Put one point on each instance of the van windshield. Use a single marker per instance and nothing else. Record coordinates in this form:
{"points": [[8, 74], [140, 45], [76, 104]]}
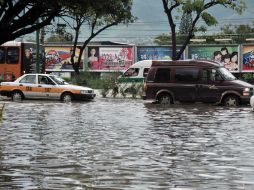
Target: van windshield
{"points": [[226, 74]]}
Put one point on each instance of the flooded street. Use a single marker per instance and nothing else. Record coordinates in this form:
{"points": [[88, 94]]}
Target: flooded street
{"points": [[125, 144]]}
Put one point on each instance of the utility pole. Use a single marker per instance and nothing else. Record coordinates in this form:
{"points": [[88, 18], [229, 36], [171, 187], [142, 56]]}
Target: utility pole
{"points": [[37, 51]]}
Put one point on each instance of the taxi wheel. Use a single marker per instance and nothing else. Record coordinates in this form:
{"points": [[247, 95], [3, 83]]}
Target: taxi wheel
{"points": [[67, 97], [17, 96]]}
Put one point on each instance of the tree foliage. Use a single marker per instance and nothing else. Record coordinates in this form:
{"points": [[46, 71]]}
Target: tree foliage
{"points": [[98, 16], [199, 11], [22, 17]]}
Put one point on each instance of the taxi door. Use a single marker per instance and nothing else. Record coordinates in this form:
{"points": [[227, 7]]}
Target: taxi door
{"points": [[46, 87], [27, 85]]}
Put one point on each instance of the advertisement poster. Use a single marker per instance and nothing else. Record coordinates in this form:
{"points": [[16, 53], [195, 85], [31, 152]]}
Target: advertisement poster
{"points": [[58, 59], [248, 58], [154, 53], [226, 55], [109, 58]]}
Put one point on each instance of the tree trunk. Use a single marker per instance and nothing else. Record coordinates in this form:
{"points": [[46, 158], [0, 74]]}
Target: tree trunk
{"points": [[75, 65]]}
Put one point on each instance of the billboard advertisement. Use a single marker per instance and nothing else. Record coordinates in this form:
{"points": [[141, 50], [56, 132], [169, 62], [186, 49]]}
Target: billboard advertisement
{"points": [[225, 55], [58, 59], [109, 58], [248, 57], [154, 53]]}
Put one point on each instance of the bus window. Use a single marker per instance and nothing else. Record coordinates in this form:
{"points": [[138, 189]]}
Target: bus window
{"points": [[13, 55], [2, 56]]}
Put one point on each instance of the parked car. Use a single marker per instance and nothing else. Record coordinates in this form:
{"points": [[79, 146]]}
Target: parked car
{"points": [[195, 81], [44, 86]]}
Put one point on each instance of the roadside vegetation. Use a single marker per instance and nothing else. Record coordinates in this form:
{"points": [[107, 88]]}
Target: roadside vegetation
{"points": [[108, 86]]}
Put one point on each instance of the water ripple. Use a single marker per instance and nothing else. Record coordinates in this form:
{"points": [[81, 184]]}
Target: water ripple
{"points": [[125, 144]]}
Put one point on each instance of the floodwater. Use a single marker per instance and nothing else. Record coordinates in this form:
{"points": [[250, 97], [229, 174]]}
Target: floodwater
{"points": [[116, 144]]}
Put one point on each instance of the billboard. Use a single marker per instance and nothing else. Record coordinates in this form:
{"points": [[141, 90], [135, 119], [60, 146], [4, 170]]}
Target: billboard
{"points": [[58, 58], [109, 58], [154, 53], [225, 55], [248, 57]]}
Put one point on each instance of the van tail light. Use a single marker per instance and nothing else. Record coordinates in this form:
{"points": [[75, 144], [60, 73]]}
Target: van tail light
{"points": [[145, 87]]}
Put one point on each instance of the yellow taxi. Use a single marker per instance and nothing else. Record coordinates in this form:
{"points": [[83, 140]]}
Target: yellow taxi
{"points": [[44, 86]]}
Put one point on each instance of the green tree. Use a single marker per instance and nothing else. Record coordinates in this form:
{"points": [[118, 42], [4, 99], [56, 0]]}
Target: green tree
{"points": [[198, 9], [185, 24], [98, 16], [21, 17], [238, 34]]}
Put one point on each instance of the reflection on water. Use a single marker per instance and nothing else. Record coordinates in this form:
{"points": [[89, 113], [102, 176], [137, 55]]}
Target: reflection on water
{"points": [[125, 144]]}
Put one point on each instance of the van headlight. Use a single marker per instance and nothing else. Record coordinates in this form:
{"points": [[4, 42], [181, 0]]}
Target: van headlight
{"points": [[246, 91]]}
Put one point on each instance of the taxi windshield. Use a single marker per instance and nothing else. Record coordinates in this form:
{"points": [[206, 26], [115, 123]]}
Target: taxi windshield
{"points": [[58, 80]]}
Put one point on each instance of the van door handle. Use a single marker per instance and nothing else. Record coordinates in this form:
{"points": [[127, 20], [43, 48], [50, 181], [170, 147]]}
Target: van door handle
{"points": [[212, 87]]}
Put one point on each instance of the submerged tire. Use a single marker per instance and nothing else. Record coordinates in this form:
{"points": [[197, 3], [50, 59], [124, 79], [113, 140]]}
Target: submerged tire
{"points": [[67, 97], [165, 99], [231, 101], [17, 96]]}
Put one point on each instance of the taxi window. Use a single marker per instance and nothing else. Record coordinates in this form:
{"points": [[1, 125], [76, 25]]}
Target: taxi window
{"points": [[29, 79], [45, 80], [2, 55]]}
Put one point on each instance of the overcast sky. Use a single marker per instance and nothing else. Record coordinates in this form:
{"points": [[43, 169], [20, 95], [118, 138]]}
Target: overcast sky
{"points": [[152, 21]]}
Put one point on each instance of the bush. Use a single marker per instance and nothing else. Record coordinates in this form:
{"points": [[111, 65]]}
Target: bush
{"points": [[107, 85]]}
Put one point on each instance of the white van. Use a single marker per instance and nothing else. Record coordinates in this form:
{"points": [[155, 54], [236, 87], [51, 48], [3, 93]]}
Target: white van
{"points": [[135, 75]]}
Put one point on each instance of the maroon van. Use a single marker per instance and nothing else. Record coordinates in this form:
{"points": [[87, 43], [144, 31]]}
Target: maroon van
{"points": [[195, 81]]}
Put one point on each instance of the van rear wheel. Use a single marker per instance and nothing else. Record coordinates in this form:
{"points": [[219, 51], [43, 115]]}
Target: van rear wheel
{"points": [[165, 99], [231, 101]]}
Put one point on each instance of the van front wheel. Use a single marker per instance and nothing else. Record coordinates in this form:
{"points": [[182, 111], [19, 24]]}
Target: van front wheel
{"points": [[165, 99], [231, 100]]}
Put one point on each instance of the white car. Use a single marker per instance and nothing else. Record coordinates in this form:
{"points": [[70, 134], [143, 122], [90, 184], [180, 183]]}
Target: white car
{"points": [[45, 86]]}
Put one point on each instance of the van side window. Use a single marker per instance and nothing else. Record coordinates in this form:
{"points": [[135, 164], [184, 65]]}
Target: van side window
{"points": [[186, 74], [211, 75], [146, 70], [162, 75], [131, 72]]}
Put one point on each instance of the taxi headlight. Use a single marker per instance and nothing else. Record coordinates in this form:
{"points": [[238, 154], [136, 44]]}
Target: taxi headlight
{"points": [[83, 91], [86, 91]]}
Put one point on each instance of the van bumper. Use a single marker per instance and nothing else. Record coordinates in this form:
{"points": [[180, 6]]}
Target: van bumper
{"points": [[245, 100]]}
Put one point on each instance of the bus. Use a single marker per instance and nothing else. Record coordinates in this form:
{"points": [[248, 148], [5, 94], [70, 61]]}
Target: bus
{"points": [[18, 58]]}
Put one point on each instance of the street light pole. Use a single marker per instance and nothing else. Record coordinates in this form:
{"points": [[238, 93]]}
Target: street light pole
{"points": [[37, 51]]}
